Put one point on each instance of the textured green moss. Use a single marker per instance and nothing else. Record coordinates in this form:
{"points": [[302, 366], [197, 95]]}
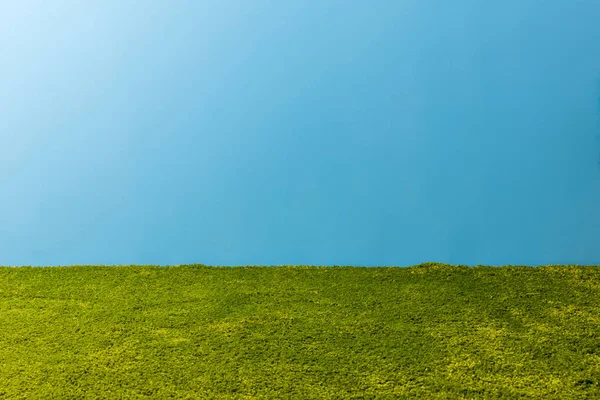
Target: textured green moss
{"points": [[201, 332]]}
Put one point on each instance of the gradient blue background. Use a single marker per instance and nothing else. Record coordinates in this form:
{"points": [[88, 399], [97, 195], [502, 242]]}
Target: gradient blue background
{"points": [[299, 132]]}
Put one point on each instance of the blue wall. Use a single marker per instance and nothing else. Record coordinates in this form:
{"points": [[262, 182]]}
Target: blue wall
{"points": [[299, 132]]}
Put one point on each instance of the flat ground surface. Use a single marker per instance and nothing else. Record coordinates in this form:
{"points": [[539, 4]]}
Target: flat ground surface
{"points": [[198, 332]]}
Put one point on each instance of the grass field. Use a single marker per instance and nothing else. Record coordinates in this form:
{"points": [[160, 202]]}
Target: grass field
{"points": [[430, 331]]}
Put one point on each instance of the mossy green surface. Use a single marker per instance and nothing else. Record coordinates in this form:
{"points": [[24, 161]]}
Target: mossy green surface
{"points": [[431, 331]]}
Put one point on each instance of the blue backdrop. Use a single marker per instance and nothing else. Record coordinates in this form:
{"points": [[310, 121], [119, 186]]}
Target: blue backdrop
{"points": [[299, 132]]}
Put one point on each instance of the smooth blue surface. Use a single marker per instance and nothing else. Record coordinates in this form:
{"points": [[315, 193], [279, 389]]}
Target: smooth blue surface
{"points": [[299, 132]]}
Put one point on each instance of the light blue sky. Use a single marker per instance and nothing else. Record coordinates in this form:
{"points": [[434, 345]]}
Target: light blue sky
{"points": [[299, 132]]}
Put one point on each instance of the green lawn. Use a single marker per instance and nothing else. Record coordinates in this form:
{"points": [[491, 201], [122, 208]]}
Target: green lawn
{"points": [[431, 331]]}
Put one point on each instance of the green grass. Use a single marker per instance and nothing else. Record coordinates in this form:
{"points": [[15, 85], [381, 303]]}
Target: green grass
{"points": [[431, 331]]}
